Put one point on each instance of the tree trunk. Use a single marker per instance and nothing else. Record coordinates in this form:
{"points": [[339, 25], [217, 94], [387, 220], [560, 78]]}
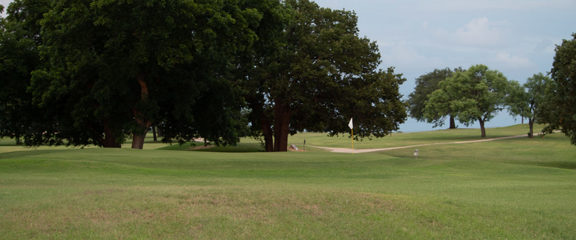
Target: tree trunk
{"points": [[482, 128], [18, 140], [267, 132], [281, 127], [110, 139], [160, 132], [452, 122], [154, 135], [110, 142], [139, 134], [138, 139], [531, 124]]}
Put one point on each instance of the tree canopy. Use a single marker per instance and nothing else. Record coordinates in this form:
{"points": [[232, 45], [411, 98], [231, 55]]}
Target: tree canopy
{"points": [[322, 75], [564, 95], [529, 100], [473, 95], [102, 70], [19, 56], [118, 67], [425, 85]]}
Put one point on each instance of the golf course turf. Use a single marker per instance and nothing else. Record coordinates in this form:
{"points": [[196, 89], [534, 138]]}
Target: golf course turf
{"points": [[517, 188]]}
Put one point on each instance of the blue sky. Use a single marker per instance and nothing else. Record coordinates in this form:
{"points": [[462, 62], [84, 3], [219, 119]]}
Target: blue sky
{"points": [[516, 37]]}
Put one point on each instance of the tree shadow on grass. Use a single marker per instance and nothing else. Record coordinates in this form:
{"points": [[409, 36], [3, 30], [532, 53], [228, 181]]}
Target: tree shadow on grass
{"points": [[559, 164], [239, 148], [21, 154]]}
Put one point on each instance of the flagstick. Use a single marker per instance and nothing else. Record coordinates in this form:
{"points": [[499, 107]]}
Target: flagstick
{"points": [[351, 126], [352, 129]]}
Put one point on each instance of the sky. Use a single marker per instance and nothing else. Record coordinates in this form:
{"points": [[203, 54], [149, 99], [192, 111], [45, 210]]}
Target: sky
{"points": [[515, 37], [5, 4]]}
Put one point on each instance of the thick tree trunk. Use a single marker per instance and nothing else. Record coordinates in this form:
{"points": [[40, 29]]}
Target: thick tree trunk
{"points": [[139, 134], [281, 126], [110, 143], [110, 139], [531, 124], [154, 135], [452, 122], [482, 128], [268, 137], [138, 139]]}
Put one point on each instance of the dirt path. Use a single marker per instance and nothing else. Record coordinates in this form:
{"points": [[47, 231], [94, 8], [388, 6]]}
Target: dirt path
{"points": [[349, 150]]}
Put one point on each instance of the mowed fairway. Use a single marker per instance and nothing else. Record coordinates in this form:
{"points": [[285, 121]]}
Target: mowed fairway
{"points": [[508, 189]]}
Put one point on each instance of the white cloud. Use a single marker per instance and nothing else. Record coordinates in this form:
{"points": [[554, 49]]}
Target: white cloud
{"points": [[479, 32], [425, 25], [473, 35], [544, 46], [406, 56], [513, 61], [486, 5]]}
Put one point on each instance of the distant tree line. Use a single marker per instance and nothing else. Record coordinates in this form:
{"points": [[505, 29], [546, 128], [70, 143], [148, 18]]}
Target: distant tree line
{"points": [[477, 93], [82, 72]]}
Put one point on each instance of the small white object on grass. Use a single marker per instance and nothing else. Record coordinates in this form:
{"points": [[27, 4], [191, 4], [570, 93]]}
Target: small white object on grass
{"points": [[416, 153], [293, 147]]}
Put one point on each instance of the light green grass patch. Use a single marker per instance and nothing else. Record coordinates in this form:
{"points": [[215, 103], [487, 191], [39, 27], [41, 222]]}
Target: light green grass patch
{"points": [[509, 189], [406, 139]]}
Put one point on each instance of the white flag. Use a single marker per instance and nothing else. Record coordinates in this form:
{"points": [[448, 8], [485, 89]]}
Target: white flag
{"points": [[350, 125]]}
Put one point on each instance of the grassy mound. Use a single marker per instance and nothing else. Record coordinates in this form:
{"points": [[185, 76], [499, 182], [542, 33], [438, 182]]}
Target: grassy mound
{"points": [[509, 189]]}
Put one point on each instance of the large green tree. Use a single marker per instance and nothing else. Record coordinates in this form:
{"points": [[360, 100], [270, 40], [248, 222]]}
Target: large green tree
{"points": [[564, 96], [425, 85], [262, 66], [319, 76], [119, 67], [474, 95], [529, 100], [19, 41]]}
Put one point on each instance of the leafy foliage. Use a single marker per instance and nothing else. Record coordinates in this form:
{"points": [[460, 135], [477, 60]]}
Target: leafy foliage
{"points": [[425, 85], [564, 95], [320, 76], [104, 69], [120, 67], [19, 41], [474, 95], [530, 99]]}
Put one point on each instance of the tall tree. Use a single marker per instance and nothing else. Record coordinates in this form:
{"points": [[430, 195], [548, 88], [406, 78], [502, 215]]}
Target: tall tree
{"points": [[474, 95], [262, 65], [425, 85], [321, 75], [19, 41], [529, 100], [518, 101], [564, 97], [118, 67]]}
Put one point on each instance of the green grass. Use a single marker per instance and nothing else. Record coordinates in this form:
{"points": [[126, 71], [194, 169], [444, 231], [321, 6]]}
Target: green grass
{"points": [[239, 148], [509, 189], [405, 139]]}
